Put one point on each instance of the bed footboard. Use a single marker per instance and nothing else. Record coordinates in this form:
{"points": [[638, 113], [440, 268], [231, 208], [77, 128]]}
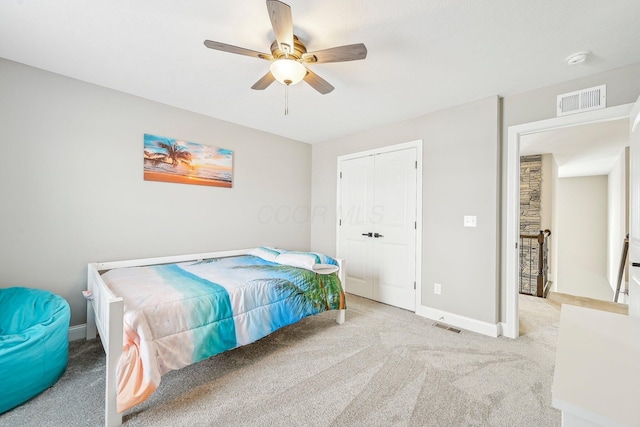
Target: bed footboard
{"points": [[342, 276], [104, 316]]}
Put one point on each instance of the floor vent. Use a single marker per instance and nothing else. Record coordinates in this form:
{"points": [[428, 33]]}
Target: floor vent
{"points": [[446, 327], [582, 100]]}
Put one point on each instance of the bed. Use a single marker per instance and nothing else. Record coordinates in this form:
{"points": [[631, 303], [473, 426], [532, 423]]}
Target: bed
{"points": [[155, 315]]}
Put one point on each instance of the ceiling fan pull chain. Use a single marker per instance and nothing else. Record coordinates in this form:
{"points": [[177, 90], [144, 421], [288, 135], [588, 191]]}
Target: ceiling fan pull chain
{"points": [[286, 100]]}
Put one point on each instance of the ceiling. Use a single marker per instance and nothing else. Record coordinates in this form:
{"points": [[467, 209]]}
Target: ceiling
{"points": [[423, 55], [584, 150]]}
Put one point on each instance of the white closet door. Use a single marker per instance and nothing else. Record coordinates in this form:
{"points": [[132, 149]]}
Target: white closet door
{"points": [[377, 231], [393, 220], [356, 247]]}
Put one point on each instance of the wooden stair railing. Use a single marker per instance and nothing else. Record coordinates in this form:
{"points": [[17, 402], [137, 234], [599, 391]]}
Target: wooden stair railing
{"points": [[542, 282], [623, 263]]}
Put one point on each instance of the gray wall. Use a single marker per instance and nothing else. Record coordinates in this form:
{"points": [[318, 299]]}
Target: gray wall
{"points": [[623, 87], [582, 237], [73, 191], [460, 177], [617, 226]]}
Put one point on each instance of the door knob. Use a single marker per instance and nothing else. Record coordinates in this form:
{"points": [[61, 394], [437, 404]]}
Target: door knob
{"points": [[368, 234], [376, 235], [635, 264]]}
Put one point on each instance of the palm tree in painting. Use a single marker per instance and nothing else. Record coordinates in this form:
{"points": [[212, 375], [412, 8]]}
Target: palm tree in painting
{"points": [[153, 157], [177, 153]]}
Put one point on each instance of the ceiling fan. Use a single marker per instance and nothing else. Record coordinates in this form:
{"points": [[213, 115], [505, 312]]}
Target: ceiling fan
{"points": [[289, 55]]}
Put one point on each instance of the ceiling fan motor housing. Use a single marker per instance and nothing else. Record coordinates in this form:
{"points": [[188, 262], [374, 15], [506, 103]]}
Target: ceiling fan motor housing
{"points": [[299, 49]]}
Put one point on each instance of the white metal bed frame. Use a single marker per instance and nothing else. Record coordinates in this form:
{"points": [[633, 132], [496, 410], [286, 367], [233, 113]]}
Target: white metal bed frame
{"points": [[105, 315]]}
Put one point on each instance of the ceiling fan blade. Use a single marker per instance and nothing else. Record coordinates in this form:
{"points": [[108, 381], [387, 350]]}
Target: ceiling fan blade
{"points": [[235, 49], [282, 23], [318, 83], [352, 52], [264, 82]]}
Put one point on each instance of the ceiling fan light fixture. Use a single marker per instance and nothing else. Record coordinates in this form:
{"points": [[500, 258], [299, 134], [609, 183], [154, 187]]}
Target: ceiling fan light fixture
{"points": [[288, 71]]}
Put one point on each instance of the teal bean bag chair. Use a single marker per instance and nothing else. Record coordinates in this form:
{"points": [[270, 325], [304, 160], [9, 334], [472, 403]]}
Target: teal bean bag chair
{"points": [[34, 343]]}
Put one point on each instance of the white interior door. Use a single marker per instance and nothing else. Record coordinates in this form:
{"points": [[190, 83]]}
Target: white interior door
{"points": [[394, 222], [634, 214], [356, 202], [377, 234]]}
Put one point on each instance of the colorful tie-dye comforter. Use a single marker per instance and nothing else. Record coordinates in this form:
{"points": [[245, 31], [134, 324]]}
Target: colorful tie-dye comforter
{"points": [[179, 314]]}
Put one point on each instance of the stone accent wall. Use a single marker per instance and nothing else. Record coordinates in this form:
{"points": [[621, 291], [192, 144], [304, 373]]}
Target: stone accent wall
{"points": [[530, 189], [530, 220]]}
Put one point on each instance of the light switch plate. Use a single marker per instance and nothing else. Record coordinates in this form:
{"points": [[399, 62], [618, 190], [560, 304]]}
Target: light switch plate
{"points": [[437, 288], [469, 220]]}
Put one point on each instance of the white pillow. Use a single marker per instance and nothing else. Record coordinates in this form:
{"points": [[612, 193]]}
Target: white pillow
{"points": [[267, 254], [298, 259]]}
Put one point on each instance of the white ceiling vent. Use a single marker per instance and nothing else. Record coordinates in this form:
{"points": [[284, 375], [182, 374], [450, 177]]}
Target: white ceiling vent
{"points": [[579, 101]]}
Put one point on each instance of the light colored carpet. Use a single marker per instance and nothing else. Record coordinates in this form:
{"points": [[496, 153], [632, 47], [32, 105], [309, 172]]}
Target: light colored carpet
{"points": [[383, 367]]}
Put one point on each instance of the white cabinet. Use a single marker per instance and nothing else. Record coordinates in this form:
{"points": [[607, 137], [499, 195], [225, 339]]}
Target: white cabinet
{"points": [[597, 372]]}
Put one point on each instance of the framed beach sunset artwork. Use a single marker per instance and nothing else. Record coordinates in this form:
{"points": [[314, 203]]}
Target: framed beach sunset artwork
{"points": [[183, 162]]}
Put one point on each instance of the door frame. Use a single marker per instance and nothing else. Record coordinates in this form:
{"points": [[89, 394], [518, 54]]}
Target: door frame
{"points": [[417, 144], [634, 202], [510, 327]]}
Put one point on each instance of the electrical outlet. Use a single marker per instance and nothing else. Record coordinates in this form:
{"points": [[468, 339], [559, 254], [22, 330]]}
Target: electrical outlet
{"points": [[437, 288], [470, 221]]}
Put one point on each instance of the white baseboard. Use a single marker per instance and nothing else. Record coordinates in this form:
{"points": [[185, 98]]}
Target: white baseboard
{"points": [[501, 328], [78, 332], [462, 322]]}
